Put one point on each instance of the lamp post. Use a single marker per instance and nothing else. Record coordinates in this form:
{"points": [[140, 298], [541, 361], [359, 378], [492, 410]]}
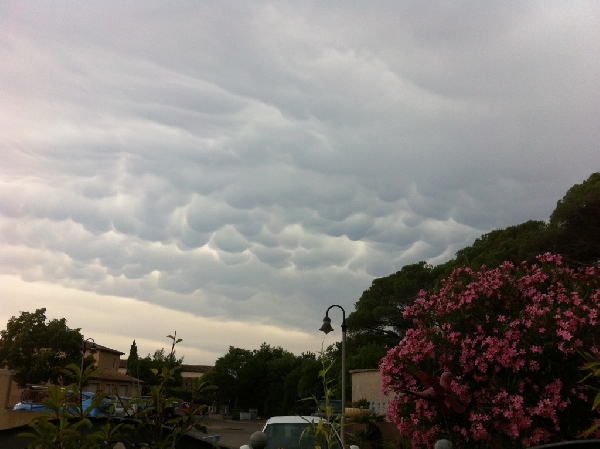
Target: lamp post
{"points": [[326, 327], [83, 350]]}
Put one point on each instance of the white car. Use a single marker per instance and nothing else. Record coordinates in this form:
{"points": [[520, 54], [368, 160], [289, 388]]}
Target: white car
{"points": [[120, 406], [299, 432]]}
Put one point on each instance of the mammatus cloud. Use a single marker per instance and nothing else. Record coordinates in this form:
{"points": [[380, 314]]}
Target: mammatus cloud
{"points": [[234, 169]]}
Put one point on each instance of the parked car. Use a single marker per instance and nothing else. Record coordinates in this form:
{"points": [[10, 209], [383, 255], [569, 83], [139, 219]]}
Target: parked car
{"points": [[32, 400], [139, 404], [101, 410], [184, 408], [120, 407], [295, 432]]}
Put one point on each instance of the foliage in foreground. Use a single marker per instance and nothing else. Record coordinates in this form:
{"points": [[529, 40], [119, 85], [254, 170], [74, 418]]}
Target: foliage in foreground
{"points": [[592, 367], [66, 425], [324, 431], [512, 338]]}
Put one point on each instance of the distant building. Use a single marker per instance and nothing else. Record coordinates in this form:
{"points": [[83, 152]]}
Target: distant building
{"points": [[108, 378], [188, 372]]}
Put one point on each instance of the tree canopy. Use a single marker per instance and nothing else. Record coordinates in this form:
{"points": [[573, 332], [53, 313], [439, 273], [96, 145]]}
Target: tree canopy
{"points": [[575, 223], [38, 349], [269, 379], [377, 317], [146, 368]]}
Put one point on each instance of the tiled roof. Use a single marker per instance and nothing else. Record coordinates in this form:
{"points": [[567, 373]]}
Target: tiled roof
{"points": [[102, 348], [196, 368], [110, 374], [184, 368]]}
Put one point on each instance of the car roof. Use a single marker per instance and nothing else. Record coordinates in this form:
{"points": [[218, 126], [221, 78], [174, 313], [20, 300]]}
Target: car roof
{"points": [[292, 419]]}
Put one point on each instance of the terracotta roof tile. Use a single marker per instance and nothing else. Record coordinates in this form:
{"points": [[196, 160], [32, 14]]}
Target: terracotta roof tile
{"points": [[110, 374], [102, 348], [196, 368], [185, 368]]}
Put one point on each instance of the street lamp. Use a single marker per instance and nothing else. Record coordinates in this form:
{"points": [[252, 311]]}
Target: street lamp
{"points": [[83, 350], [326, 327]]}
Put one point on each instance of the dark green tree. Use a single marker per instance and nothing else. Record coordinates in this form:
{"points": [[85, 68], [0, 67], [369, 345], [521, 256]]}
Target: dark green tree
{"points": [[267, 379], [366, 357], [133, 354], [38, 349], [305, 383], [146, 368], [515, 244], [262, 380], [309, 384], [228, 370], [377, 318], [575, 223]]}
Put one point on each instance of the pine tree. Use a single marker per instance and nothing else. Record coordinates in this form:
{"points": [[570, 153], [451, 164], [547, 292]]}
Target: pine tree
{"points": [[132, 360]]}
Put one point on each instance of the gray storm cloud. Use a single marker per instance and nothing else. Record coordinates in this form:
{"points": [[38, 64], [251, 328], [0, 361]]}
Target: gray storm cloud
{"points": [[258, 160]]}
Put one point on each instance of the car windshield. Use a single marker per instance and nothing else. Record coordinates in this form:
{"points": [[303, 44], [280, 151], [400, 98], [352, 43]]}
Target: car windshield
{"points": [[297, 436]]}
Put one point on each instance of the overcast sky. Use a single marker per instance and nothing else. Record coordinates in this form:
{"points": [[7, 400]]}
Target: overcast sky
{"points": [[230, 169]]}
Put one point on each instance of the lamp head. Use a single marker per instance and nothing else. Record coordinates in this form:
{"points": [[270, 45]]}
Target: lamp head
{"points": [[326, 327], [89, 345]]}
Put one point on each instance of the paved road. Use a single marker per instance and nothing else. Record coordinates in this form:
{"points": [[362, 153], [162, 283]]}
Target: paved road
{"points": [[231, 433]]}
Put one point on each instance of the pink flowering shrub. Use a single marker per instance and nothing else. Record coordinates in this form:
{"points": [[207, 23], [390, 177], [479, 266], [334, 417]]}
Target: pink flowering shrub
{"points": [[513, 337]]}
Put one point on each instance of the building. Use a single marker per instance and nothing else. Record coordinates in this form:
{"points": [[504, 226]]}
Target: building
{"points": [[108, 379], [188, 372], [366, 384]]}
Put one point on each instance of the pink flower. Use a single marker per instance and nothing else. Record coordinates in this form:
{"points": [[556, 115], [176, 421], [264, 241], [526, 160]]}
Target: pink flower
{"points": [[512, 336]]}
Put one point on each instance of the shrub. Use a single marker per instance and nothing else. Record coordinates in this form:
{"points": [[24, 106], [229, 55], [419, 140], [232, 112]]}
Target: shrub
{"points": [[512, 337], [360, 403]]}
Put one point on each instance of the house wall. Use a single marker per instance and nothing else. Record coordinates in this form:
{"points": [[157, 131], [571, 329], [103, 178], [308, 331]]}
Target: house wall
{"points": [[190, 375], [366, 384], [14, 393], [113, 388], [106, 359], [187, 380]]}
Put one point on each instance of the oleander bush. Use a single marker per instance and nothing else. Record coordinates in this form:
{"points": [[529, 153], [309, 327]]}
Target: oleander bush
{"points": [[513, 340]]}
